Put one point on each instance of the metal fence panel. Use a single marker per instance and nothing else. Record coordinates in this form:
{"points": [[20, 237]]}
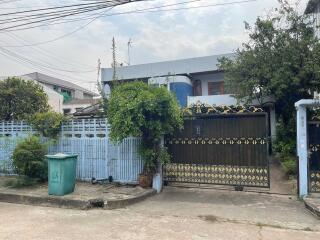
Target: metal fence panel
{"points": [[98, 157]]}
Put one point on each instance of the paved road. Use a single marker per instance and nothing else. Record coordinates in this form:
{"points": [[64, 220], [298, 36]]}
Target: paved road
{"points": [[176, 214]]}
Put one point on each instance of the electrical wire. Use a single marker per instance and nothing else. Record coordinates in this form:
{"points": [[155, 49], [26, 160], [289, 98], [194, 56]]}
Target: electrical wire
{"points": [[145, 10]]}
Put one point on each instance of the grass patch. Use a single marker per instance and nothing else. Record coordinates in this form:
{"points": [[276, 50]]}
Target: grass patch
{"points": [[21, 182]]}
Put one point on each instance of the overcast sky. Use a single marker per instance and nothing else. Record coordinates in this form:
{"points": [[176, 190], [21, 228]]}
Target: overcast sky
{"points": [[156, 36]]}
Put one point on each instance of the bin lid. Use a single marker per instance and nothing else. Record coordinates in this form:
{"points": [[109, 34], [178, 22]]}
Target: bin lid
{"points": [[61, 156]]}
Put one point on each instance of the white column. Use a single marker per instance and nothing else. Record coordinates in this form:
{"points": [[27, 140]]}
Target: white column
{"points": [[302, 150], [157, 183], [273, 124]]}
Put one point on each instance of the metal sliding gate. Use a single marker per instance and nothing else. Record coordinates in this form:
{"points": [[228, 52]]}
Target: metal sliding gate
{"points": [[314, 157], [222, 149]]}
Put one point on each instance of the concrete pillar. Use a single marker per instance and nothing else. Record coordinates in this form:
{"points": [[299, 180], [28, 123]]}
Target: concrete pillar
{"points": [[273, 123], [157, 183], [302, 150]]}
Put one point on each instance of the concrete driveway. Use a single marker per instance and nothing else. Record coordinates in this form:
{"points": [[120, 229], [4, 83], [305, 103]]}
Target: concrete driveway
{"points": [[175, 214]]}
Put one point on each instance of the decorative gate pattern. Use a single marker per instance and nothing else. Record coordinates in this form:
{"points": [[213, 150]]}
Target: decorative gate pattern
{"points": [[227, 149], [314, 157]]}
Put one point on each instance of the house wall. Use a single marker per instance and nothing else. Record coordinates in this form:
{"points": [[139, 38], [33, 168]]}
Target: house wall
{"points": [[78, 94], [224, 99], [55, 99]]}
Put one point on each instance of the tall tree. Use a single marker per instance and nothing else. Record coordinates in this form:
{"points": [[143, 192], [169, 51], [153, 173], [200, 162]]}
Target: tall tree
{"points": [[19, 99], [281, 59]]}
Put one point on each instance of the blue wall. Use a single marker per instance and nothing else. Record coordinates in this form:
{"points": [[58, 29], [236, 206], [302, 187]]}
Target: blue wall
{"points": [[182, 90]]}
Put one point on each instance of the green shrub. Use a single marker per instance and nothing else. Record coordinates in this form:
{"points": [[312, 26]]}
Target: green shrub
{"points": [[285, 146], [29, 158], [47, 123]]}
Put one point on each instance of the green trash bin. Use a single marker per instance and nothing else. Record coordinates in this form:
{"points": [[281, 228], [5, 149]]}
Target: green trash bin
{"points": [[62, 173]]}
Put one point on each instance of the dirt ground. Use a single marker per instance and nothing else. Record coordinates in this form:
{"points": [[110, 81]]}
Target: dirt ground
{"points": [[177, 213]]}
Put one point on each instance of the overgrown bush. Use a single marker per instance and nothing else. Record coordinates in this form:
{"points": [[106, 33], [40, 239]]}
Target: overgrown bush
{"points": [[47, 123], [29, 158], [285, 146], [136, 109]]}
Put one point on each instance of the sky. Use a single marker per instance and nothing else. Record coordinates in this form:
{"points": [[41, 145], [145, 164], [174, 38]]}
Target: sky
{"points": [[155, 36]]}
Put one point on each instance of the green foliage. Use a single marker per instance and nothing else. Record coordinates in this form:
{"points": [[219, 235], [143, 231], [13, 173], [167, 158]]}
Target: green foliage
{"points": [[20, 98], [47, 123], [138, 110], [285, 146], [281, 59], [21, 181], [290, 165], [29, 158], [152, 157]]}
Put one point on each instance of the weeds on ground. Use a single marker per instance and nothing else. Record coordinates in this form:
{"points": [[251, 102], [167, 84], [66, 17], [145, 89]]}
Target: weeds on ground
{"points": [[21, 182]]}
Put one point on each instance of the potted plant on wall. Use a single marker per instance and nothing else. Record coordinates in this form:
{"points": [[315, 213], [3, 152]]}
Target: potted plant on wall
{"points": [[136, 109]]}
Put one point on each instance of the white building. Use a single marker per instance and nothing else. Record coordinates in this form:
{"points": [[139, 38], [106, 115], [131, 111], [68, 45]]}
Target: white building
{"points": [[192, 80], [64, 97], [313, 10]]}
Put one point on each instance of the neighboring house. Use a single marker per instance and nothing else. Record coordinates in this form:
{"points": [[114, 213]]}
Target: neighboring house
{"points": [[55, 99], [192, 80], [77, 105], [73, 96], [313, 10]]}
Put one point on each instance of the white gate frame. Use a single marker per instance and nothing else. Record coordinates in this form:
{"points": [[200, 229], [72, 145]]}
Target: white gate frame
{"points": [[302, 142]]}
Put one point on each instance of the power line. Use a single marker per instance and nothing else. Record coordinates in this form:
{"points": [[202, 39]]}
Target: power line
{"points": [[23, 61], [42, 64], [20, 18], [60, 37], [50, 54], [71, 63], [46, 17], [145, 10]]}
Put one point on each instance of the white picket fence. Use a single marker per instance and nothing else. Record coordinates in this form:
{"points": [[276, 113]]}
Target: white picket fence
{"points": [[98, 157]]}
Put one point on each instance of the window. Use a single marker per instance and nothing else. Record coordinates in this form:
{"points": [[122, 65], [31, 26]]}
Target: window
{"points": [[215, 88], [68, 92], [79, 109]]}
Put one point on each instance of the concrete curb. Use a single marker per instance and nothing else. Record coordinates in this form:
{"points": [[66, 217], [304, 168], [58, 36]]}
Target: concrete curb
{"points": [[312, 207], [53, 201], [114, 204]]}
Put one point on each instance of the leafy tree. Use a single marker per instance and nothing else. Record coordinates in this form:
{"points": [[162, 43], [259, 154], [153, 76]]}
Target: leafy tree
{"points": [[47, 123], [20, 98], [281, 59], [138, 110]]}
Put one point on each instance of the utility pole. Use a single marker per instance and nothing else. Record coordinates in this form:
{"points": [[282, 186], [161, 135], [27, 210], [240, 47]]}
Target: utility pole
{"points": [[114, 62], [99, 85], [129, 45]]}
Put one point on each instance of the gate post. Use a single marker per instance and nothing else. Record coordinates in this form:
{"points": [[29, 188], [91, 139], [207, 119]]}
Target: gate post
{"points": [[157, 182], [302, 149]]}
